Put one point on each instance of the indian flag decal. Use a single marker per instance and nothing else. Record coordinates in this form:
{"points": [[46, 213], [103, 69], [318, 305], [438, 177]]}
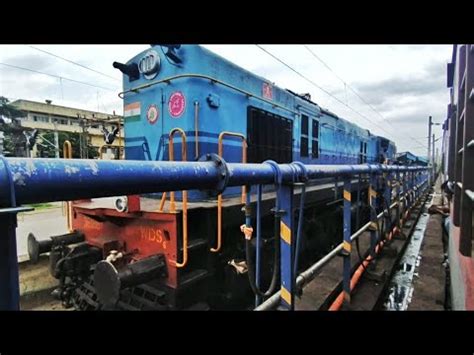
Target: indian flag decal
{"points": [[132, 111]]}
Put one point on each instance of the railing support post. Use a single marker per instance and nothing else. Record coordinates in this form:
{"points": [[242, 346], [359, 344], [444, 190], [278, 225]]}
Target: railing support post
{"points": [[359, 182], [346, 284], [373, 212], [285, 196], [405, 193], [397, 193], [258, 256], [9, 281], [388, 200], [9, 276]]}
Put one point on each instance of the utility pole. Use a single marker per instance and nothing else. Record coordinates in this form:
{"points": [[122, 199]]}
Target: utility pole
{"points": [[28, 151], [433, 149], [81, 140], [428, 157], [431, 145], [433, 155], [55, 124], [85, 139], [56, 140], [430, 123]]}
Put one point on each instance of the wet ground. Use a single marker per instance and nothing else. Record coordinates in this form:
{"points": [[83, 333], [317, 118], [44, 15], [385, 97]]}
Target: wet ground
{"points": [[370, 290], [429, 288], [420, 282], [36, 285], [400, 288]]}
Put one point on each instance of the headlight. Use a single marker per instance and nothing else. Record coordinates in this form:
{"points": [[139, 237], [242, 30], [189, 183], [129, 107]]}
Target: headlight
{"points": [[150, 64]]}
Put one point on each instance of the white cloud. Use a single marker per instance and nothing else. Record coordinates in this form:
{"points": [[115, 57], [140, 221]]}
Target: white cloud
{"points": [[405, 84]]}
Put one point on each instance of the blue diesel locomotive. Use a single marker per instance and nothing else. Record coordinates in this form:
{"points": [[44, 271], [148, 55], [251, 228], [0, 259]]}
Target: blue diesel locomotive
{"points": [[185, 250], [192, 88]]}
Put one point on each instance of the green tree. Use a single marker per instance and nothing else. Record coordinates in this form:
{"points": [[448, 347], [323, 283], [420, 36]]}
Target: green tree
{"points": [[14, 143], [6, 109]]}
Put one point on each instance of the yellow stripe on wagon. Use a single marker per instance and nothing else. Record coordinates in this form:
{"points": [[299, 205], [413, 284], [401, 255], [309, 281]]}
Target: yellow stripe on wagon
{"points": [[372, 192], [347, 246], [285, 232], [347, 195], [285, 294]]}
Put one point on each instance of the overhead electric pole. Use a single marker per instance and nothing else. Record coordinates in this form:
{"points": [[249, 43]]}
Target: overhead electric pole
{"points": [[430, 123]]}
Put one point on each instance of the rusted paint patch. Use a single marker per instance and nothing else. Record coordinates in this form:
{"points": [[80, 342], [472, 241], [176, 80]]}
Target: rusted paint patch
{"points": [[70, 169], [19, 179], [30, 168], [94, 167]]}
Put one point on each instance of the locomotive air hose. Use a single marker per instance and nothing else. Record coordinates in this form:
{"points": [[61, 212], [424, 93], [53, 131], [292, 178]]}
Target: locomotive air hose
{"points": [[250, 266]]}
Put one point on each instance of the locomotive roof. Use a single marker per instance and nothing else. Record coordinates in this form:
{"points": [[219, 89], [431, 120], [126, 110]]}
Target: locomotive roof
{"points": [[212, 64]]}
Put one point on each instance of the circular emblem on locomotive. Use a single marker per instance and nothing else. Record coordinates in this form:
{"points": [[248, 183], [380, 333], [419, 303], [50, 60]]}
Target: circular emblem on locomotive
{"points": [[149, 65], [152, 114], [176, 104]]}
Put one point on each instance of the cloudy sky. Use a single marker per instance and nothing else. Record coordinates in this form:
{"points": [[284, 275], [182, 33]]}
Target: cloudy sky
{"points": [[390, 90]]}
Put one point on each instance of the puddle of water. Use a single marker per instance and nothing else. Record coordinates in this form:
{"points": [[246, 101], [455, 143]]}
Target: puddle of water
{"points": [[401, 289]]}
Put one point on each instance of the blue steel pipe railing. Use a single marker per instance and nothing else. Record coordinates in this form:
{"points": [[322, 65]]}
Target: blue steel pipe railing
{"points": [[45, 180], [258, 254], [344, 248]]}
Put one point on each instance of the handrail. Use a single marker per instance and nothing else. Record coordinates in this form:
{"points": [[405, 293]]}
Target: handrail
{"points": [[67, 150], [162, 202], [101, 178], [244, 150], [81, 179], [67, 154], [219, 197], [185, 194], [196, 129], [212, 80]]}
